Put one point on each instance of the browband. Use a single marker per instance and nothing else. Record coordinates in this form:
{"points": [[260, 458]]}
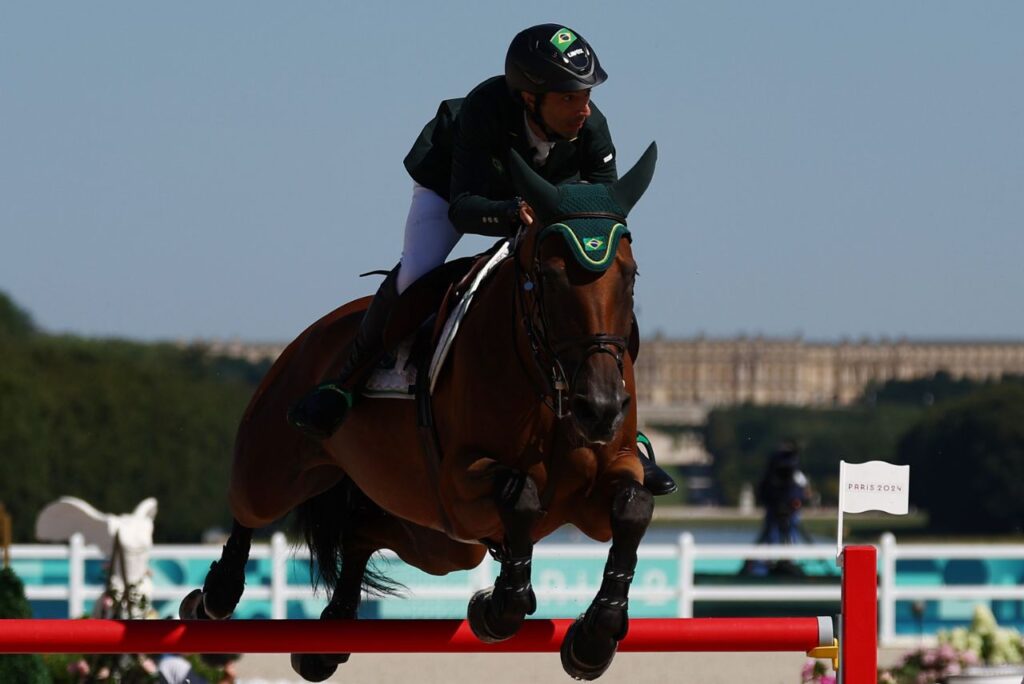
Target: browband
{"points": [[589, 214]]}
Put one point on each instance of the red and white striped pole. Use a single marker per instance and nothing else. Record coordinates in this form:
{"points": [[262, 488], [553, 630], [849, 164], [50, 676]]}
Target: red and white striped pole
{"points": [[858, 637], [395, 636]]}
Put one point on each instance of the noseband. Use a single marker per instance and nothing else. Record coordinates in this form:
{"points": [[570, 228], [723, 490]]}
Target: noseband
{"points": [[548, 354]]}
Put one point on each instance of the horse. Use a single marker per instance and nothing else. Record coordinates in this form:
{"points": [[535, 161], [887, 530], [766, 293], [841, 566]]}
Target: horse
{"points": [[534, 426], [125, 540]]}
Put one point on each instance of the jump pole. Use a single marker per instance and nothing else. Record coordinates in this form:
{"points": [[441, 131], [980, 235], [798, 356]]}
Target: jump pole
{"points": [[395, 636], [811, 635]]}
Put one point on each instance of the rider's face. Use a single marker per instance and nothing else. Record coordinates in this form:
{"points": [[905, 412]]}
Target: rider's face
{"points": [[564, 113]]}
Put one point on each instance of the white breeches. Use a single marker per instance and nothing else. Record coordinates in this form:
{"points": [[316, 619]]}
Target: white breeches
{"points": [[429, 236]]}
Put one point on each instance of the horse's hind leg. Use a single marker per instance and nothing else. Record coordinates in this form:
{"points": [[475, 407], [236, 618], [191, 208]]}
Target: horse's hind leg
{"points": [[344, 605], [591, 642], [495, 614], [224, 583], [343, 529]]}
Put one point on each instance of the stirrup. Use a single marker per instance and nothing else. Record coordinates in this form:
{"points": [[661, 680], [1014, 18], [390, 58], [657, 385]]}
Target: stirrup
{"points": [[656, 480]]}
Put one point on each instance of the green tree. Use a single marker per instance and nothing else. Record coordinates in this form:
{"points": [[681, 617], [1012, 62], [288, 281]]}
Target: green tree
{"points": [[14, 605], [113, 422], [934, 389], [967, 462], [741, 438], [14, 321]]}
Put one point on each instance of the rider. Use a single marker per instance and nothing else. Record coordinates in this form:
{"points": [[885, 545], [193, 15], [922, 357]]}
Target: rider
{"points": [[541, 108]]}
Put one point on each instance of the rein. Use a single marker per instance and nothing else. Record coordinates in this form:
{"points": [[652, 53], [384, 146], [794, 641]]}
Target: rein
{"points": [[122, 605], [556, 382]]}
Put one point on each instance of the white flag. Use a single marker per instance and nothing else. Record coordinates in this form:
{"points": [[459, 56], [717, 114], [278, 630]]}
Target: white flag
{"points": [[874, 486]]}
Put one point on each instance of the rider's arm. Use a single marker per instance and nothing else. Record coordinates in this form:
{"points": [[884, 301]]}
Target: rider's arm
{"points": [[474, 159], [597, 161]]}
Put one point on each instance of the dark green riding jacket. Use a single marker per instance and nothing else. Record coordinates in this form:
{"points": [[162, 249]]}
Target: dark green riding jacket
{"points": [[462, 154]]}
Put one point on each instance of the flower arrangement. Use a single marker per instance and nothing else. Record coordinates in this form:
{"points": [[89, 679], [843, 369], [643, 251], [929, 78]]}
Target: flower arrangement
{"points": [[137, 668], [816, 672], [994, 645], [928, 665], [983, 643], [127, 669], [959, 650]]}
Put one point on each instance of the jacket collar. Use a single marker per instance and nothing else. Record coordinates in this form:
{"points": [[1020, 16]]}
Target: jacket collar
{"points": [[514, 120]]}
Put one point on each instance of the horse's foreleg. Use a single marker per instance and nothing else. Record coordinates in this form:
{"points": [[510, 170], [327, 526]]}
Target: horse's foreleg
{"points": [[224, 583], [590, 644], [316, 667], [495, 614]]}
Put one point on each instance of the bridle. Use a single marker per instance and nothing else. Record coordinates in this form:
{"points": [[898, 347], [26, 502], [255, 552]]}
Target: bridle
{"points": [[547, 354]]}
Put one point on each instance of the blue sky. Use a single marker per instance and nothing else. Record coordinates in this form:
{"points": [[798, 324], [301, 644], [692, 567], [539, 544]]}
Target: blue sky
{"points": [[195, 169]]}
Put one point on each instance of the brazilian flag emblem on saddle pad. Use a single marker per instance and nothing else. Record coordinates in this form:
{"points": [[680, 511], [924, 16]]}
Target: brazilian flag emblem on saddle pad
{"points": [[593, 241]]}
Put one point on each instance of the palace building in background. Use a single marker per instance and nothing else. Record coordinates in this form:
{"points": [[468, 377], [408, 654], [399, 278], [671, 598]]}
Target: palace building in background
{"points": [[705, 373], [680, 380]]}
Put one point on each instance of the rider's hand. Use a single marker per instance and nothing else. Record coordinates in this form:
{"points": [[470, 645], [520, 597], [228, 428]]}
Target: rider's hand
{"points": [[526, 214]]}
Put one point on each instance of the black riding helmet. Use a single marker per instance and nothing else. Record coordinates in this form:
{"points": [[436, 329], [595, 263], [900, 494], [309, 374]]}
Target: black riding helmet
{"points": [[550, 58]]}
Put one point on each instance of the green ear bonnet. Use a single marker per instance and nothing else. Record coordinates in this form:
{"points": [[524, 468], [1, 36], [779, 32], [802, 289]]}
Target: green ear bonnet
{"points": [[592, 227], [591, 218]]}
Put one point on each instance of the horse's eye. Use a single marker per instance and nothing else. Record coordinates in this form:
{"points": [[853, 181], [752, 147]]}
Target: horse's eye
{"points": [[551, 274]]}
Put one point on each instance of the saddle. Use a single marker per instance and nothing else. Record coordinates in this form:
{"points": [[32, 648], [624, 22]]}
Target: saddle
{"points": [[425, 321], [418, 322]]}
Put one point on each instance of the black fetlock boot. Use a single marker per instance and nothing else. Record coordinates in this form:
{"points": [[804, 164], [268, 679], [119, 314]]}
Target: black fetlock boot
{"points": [[656, 480], [321, 412]]}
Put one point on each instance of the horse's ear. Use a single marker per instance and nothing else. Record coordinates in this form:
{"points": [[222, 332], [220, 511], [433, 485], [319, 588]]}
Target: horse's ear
{"points": [[628, 189], [538, 193], [146, 509]]}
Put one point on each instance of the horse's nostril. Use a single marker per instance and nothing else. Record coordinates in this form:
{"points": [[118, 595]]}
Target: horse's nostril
{"points": [[597, 412], [583, 410]]}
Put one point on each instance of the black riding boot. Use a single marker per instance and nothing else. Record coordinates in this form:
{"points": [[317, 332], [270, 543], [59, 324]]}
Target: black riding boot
{"points": [[656, 480], [321, 412]]}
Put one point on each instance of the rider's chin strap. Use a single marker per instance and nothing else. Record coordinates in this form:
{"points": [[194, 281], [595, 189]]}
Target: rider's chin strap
{"points": [[535, 116]]}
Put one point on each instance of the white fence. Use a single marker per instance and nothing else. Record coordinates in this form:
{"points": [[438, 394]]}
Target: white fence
{"points": [[685, 592]]}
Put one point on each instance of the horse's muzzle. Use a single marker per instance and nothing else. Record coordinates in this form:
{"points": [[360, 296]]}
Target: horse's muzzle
{"points": [[599, 414]]}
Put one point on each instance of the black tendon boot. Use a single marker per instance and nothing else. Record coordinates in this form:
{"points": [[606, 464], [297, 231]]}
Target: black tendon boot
{"points": [[321, 412]]}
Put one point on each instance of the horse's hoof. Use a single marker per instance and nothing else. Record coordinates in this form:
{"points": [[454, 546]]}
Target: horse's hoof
{"points": [[576, 668], [191, 607], [476, 615], [313, 667], [215, 613]]}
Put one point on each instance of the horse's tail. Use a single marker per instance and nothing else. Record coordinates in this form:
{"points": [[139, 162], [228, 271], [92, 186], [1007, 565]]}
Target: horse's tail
{"points": [[326, 521]]}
